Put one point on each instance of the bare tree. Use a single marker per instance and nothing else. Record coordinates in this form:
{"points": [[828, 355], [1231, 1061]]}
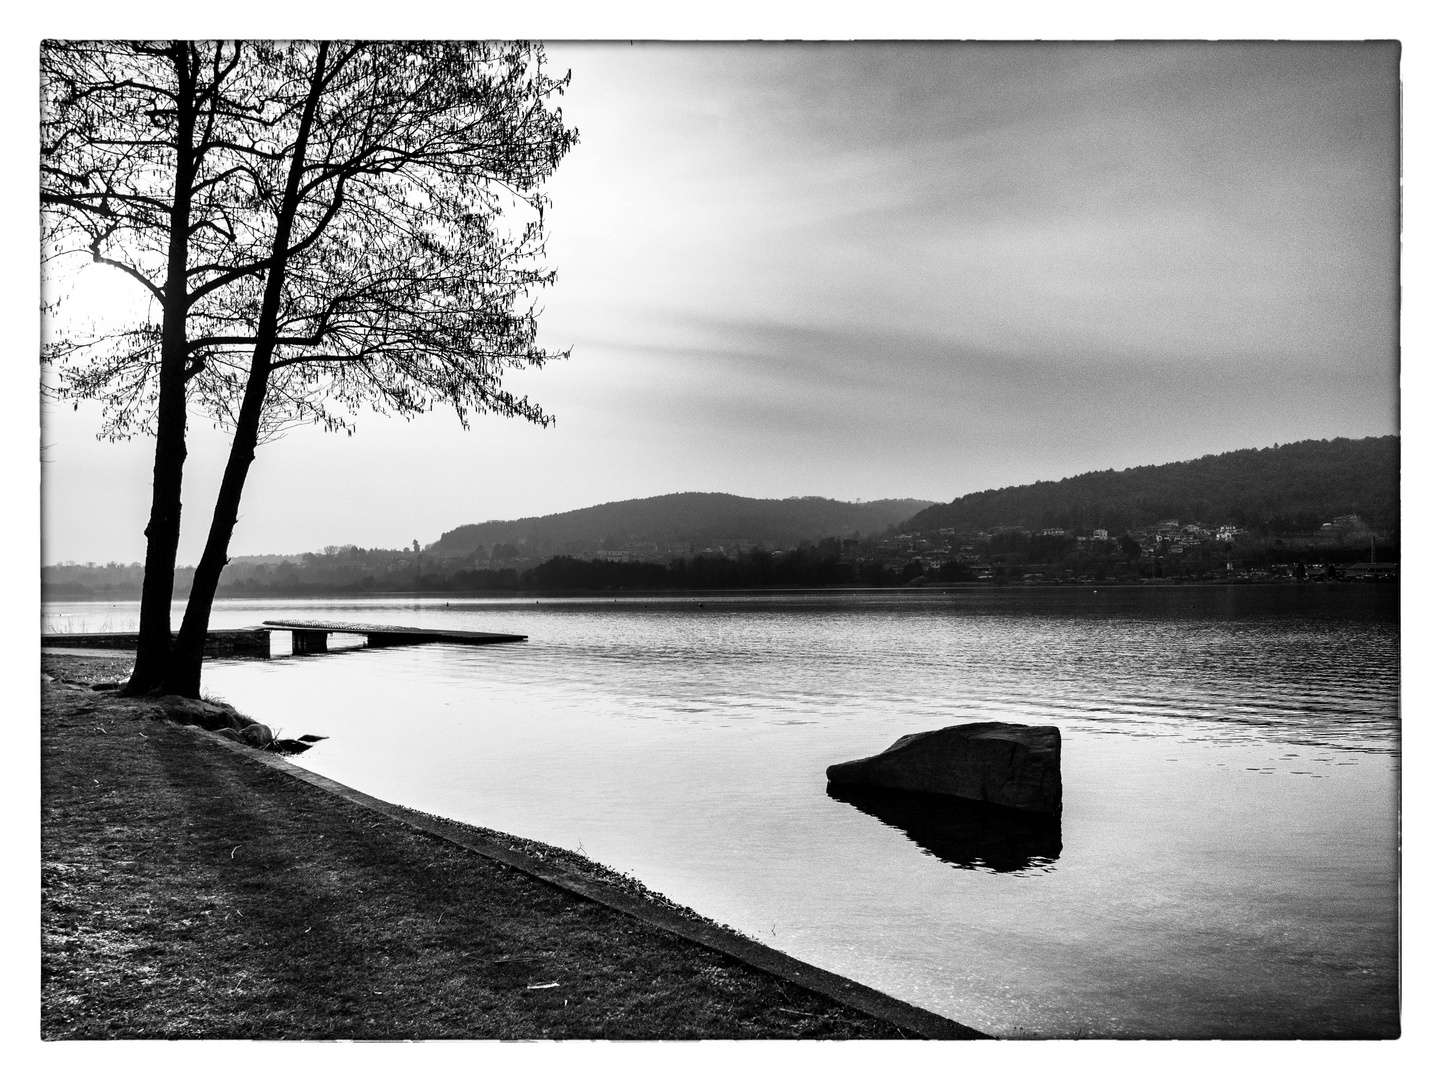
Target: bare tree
{"points": [[399, 276], [322, 226], [138, 174]]}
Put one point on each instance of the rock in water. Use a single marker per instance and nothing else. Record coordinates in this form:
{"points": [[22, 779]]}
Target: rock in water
{"points": [[1011, 765]]}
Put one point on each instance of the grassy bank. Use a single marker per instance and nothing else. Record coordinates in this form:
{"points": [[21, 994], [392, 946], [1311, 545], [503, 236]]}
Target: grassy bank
{"points": [[191, 892]]}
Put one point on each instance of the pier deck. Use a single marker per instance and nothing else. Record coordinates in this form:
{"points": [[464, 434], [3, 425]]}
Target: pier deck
{"points": [[251, 641], [310, 636], [306, 637]]}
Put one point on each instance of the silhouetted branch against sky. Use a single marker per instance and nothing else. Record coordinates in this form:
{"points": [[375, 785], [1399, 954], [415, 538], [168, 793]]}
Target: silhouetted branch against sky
{"points": [[407, 276], [108, 138]]}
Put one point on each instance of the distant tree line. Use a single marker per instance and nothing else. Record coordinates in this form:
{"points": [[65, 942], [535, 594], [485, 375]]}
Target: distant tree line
{"points": [[1007, 558], [805, 567]]}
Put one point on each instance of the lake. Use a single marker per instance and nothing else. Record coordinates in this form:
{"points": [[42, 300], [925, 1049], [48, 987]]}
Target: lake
{"points": [[1226, 864]]}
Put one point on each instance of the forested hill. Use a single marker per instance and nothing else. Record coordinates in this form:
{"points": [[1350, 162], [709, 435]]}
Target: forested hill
{"points": [[1293, 488], [700, 518]]}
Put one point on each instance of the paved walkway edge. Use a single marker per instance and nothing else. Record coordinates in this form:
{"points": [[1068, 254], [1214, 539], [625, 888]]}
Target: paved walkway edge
{"points": [[909, 1018]]}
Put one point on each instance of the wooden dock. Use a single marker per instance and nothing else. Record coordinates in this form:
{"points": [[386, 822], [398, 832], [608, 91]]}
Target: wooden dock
{"points": [[305, 636], [251, 641], [312, 637]]}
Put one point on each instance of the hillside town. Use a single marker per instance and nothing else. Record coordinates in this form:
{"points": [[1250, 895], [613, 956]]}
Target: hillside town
{"points": [[1343, 548]]}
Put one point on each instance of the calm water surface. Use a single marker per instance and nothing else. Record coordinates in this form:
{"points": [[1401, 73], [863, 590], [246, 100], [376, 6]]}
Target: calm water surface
{"points": [[1226, 863]]}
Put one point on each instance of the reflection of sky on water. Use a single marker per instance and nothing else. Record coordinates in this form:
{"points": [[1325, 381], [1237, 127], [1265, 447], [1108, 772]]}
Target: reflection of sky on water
{"points": [[1315, 666]]}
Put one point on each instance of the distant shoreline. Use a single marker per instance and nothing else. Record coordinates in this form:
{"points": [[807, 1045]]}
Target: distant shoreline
{"points": [[55, 595]]}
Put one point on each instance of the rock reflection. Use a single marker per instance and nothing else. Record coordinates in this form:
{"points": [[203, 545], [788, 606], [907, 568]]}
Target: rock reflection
{"points": [[962, 833]]}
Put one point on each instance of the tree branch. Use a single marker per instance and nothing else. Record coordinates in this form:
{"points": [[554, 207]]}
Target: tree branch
{"points": [[95, 255]]}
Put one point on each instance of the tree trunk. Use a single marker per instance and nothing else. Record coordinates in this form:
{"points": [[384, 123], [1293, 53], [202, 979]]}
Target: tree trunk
{"points": [[188, 655], [163, 531]]}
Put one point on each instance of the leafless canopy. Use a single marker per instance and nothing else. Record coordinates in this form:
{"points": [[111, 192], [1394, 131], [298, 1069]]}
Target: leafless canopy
{"points": [[413, 256]]}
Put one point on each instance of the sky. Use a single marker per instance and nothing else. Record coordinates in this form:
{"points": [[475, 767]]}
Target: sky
{"points": [[876, 271]]}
